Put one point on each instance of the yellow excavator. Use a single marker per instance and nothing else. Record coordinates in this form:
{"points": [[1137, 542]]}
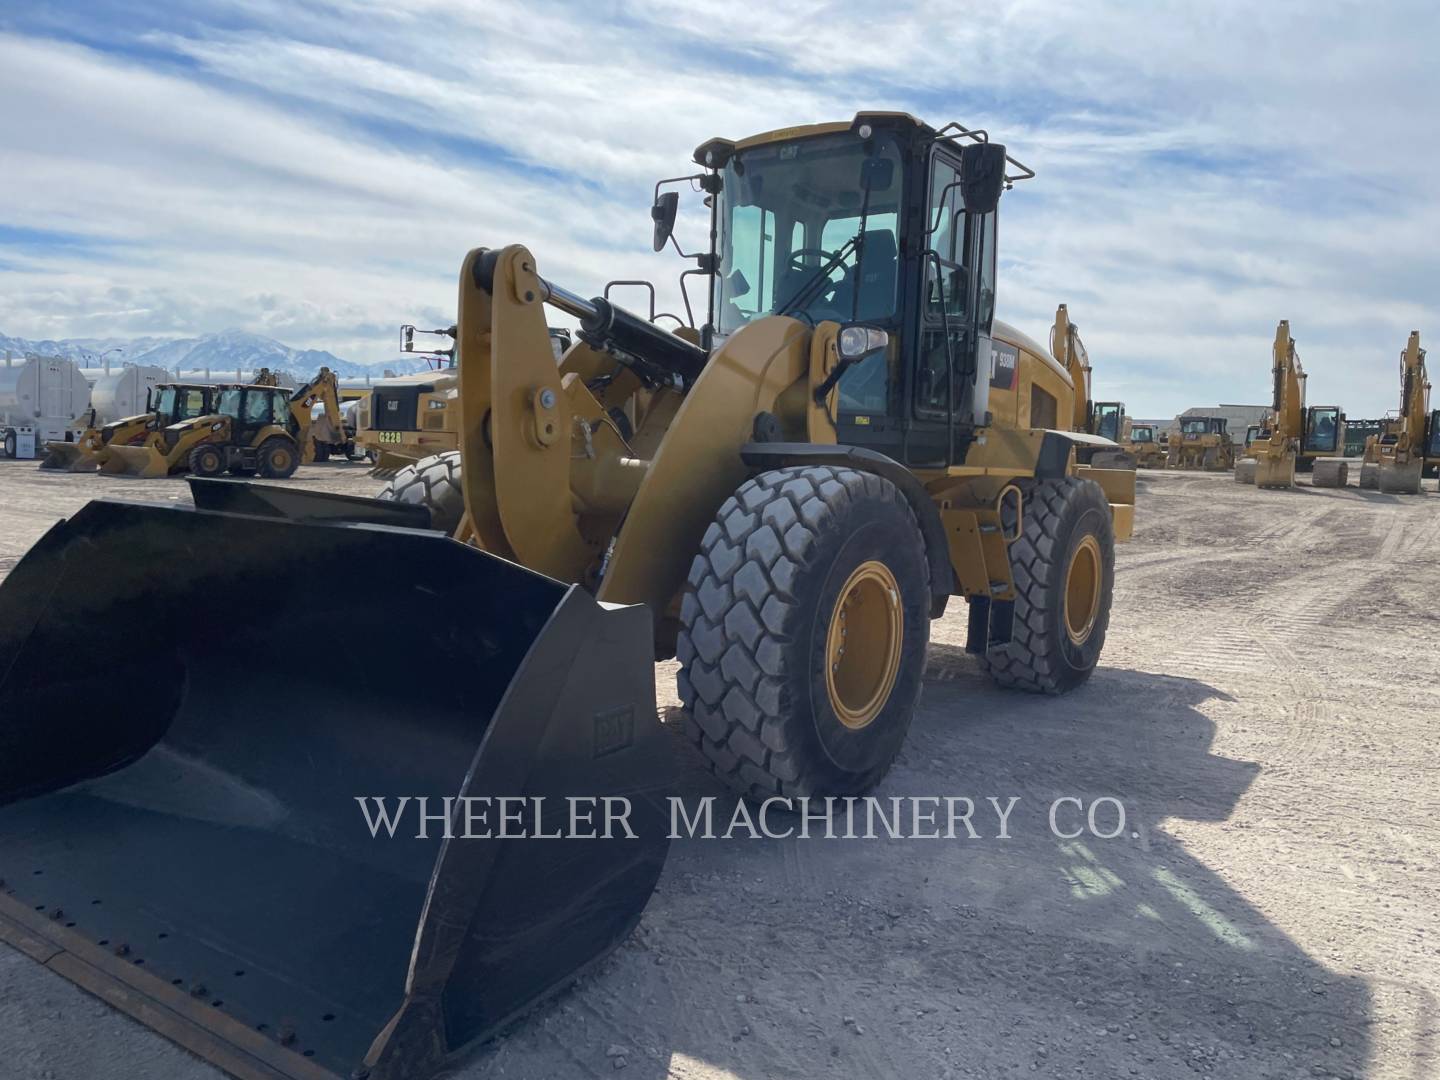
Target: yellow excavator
{"points": [[1103, 418], [783, 498], [1291, 431], [1396, 458], [169, 403], [255, 428]]}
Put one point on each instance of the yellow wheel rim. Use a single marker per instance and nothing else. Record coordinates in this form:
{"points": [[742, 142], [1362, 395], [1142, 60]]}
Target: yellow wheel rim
{"points": [[862, 649], [281, 459], [1082, 590]]}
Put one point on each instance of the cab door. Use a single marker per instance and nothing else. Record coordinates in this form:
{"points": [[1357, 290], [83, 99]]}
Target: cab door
{"points": [[955, 312], [1109, 419]]}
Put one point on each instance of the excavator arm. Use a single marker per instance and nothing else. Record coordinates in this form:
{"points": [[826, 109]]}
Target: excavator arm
{"points": [[324, 389]]}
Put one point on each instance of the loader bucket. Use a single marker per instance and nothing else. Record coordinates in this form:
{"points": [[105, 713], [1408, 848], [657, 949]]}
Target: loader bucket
{"points": [[184, 736], [69, 456], [143, 461]]}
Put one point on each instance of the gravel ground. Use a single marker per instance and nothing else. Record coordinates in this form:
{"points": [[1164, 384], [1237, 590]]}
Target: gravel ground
{"points": [[1266, 714]]}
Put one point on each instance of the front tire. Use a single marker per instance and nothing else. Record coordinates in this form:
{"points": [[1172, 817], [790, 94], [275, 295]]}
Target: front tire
{"points": [[277, 458], [432, 482], [803, 632], [1063, 566], [207, 460]]}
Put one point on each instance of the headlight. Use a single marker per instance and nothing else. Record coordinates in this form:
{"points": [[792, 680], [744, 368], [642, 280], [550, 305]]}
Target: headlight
{"points": [[858, 341]]}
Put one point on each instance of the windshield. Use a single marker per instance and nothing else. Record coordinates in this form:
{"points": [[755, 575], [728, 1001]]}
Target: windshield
{"points": [[1142, 434], [229, 404], [1108, 424], [165, 401], [1321, 428], [1195, 427], [788, 210]]}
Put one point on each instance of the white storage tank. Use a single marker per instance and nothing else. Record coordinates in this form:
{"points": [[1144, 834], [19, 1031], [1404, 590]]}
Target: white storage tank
{"points": [[218, 376], [124, 392], [41, 400]]}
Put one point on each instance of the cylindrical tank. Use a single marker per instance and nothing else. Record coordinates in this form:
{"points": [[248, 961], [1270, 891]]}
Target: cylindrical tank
{"points": [[46, 393], [124, 392], [217, 376]]}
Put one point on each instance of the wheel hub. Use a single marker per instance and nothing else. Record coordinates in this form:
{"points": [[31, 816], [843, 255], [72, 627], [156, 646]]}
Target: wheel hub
{"points": [[1082, 590], [862, 650]]}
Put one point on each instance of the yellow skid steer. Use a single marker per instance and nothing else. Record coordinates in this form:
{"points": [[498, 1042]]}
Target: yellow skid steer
{"points": [[783, 498]]}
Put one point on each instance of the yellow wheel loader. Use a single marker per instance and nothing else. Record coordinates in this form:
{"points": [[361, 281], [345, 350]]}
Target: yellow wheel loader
{"points": [[411, 418], [784, 498], [169, 403], [1396, 459], [1291, 431]]}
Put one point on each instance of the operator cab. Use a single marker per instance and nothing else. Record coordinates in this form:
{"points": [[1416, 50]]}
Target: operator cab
{"points": [[1324, 430], [174, 404], [1195, 427], [251, 408], [887, 227], [1109, 419]]}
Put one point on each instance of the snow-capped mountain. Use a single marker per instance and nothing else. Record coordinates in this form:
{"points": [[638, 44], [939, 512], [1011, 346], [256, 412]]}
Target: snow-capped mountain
{"points": [[227, 350]]}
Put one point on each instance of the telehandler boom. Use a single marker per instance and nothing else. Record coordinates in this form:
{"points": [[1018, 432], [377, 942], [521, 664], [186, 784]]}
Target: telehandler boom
{"points": [[783, 497]]}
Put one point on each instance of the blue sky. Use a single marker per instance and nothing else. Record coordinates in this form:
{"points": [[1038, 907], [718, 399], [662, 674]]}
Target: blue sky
{"points": [[315, 169]]}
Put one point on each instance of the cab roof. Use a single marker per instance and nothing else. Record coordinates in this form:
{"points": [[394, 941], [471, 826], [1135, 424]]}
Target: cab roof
{"points": [[805, 131]]}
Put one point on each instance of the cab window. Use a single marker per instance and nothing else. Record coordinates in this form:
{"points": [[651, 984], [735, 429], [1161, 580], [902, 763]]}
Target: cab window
{"points": [[192, 404], [257, 407], [229, 404]]}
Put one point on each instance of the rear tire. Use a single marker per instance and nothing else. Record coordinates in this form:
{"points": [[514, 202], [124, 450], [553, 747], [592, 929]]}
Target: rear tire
{"points": [[432, 482], [796, 560], [1064, 571], [322, 451], [10, 444], [277, 458], [207, 459]]}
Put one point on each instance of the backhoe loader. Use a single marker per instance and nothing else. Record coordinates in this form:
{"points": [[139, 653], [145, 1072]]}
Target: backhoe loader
{"points": [[1396, 458], [254, 428], [169, 403], [1103, 418], [783, 498], [1291, 430]]}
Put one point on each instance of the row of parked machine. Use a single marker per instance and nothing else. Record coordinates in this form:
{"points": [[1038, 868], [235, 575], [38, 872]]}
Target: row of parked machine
{"points": [[1395, 453], [259, 428]]}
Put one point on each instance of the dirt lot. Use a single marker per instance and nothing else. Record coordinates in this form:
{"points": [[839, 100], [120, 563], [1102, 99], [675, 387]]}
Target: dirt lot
{"points": [[1266, 711]]}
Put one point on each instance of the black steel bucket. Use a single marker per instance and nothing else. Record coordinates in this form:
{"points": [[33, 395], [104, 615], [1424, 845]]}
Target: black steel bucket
{"points": [[191, 703]]}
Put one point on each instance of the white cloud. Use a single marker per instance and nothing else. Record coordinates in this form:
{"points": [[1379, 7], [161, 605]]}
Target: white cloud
{"points": [[316, 170]]}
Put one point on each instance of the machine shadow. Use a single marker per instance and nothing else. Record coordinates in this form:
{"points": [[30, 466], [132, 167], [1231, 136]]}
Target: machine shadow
{"points": [[972, 957]]}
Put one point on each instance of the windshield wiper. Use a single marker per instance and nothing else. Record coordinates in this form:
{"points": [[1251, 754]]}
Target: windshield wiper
{"points": [[821, 273]]}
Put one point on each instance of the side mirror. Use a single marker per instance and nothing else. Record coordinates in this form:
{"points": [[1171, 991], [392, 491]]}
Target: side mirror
{"points": [[667, 205], [982, 176]]}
